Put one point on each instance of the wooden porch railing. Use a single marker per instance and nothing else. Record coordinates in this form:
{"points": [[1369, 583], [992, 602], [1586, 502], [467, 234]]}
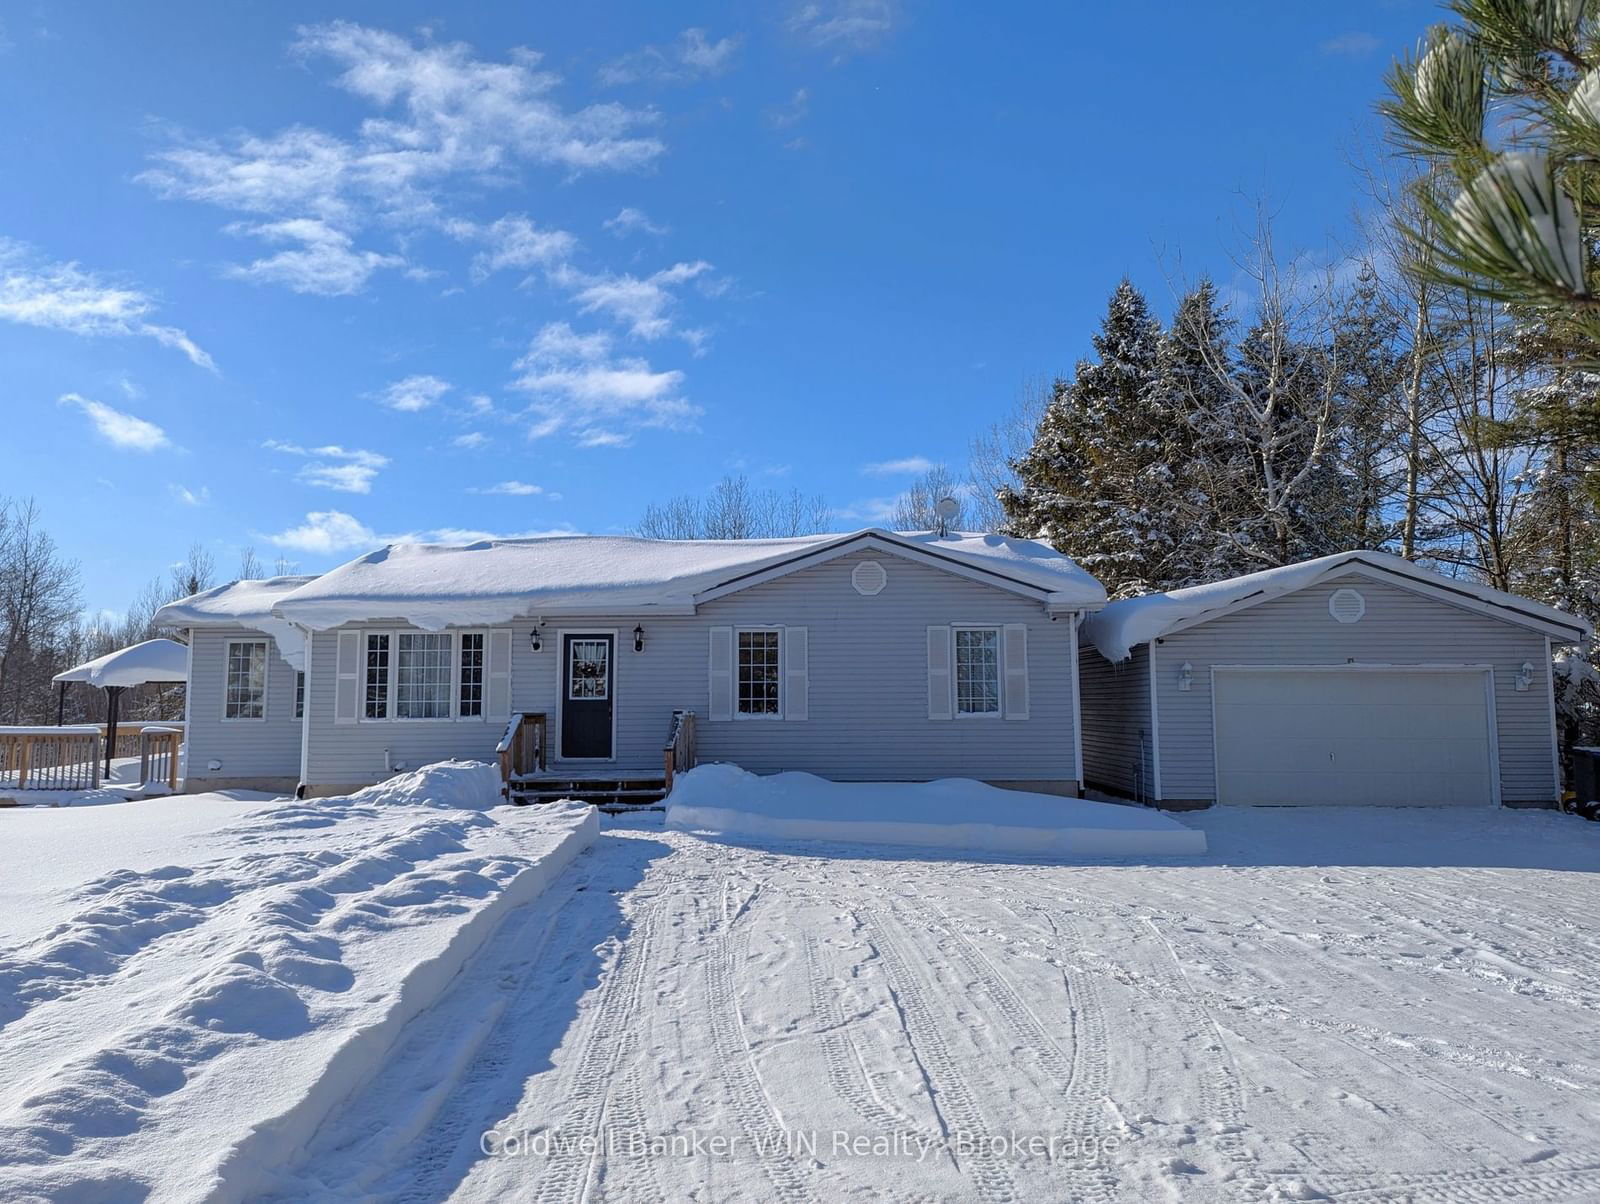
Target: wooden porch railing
{"points": [[158, 756], [50, 758], [522, 749], [678, 756], [128, 734]]}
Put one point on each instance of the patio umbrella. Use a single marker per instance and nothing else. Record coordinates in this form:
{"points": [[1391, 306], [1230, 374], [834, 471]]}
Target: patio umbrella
{"points": [[163, 661]]}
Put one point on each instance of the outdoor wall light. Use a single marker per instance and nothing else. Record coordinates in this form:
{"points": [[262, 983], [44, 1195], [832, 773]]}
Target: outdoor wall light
{"points": [[1525, 677], [638, 638], [534, 641], [1185, 675]]}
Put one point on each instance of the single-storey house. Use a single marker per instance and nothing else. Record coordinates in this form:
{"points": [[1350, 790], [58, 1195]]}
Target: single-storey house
{"points": [[1358, 678], [868, 655]]}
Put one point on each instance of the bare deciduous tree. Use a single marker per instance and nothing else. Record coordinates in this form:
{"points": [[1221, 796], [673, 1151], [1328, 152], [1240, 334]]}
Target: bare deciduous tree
{"points": [[735, 510], [915, 510]]}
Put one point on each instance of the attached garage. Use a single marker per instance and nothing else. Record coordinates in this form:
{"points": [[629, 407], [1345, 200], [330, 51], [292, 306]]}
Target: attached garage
{"points": [[1353, 680]]}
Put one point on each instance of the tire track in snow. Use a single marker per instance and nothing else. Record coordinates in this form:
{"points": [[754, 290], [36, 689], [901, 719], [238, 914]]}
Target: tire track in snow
{"points": [[1083, 1072], [847, 1074], [753, 1108], [958, 1111]]}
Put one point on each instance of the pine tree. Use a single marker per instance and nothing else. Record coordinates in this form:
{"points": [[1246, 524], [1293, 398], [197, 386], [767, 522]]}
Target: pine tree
{"points": [[1086, 484]]}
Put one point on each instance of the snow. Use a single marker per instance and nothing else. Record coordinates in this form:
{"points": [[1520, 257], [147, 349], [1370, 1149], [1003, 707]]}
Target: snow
{"points": [[149, 661], [1123, 626], [242, 604], [494, 581], [190, 986], [957, 813], [1392, 1007]]}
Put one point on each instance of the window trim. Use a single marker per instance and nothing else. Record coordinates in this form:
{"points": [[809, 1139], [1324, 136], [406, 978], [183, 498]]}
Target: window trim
{"points": [[266, 677], [759, 716], [999, 711], [454, 680]]}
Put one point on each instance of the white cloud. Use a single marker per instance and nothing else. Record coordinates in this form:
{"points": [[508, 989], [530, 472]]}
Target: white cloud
{"points": [[844, 27], [793, 112], [118, 428], [1358, 45], [630, 220], [905, 466], [577, 384], [325, 532], [189, 497], [511, 489], [472, 440], [414, 393], [347, 470], [869, 510], [442, 115], [644, 305], [62, 296], [513, 241], [326, 263], [692, 56]]}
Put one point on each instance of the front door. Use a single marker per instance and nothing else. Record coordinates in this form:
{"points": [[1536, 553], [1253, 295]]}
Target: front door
{"points": [[586, 698]]}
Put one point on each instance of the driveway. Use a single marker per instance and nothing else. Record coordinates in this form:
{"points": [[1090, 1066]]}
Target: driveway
{"points": [[1345, 1004]]}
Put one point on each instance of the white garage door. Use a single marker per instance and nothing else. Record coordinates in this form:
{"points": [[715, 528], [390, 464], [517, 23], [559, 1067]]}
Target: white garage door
{"points": [[1337, 736]]}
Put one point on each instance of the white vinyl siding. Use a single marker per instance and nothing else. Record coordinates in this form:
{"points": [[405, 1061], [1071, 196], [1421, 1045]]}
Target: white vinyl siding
{"points": [[245, 693], [268, 747]]}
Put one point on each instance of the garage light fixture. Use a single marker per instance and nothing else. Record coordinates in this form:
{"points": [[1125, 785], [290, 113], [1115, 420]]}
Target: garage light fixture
{"points": [[638, 637], [1525, 677], [1185, 675]]}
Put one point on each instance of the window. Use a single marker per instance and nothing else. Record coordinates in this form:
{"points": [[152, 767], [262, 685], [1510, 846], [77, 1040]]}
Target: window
{"points": [[377, 676], [588, 669], [977, 670], [422, 676], [246, 694], [469, 694], [299, 695], [758, 673]]}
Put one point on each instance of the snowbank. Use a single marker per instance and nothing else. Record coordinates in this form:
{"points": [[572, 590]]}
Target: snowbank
{"points": [[183, 1028], [1123, 626], [956, 813], [495, 581]]}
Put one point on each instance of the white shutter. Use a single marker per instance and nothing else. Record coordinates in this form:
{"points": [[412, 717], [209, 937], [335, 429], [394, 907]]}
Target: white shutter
{"points": [[721, 668], [938, 673], [1016, 667], [497, 691], [796, 685], [347, 689]]}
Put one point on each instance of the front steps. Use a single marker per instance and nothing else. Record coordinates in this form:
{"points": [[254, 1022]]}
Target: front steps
{"points": [[614, 796]]}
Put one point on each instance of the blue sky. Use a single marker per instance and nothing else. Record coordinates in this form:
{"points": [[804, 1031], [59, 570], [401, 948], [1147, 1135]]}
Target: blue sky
{"points": [[306, 277]]}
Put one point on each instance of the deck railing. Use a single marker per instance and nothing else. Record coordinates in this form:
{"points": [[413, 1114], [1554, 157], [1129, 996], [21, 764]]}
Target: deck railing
{"points": [[679, 754], [158, 757], [50, 758], [128, 734], [521, 750]]}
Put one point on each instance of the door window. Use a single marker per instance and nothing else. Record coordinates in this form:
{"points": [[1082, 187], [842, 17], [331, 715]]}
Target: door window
{"points": [[588, 669]]}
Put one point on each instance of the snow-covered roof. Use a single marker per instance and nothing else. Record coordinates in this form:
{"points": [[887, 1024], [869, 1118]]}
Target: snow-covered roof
{"points": [[494, 581], [150, 661], [1123, 626], [242, 604]]}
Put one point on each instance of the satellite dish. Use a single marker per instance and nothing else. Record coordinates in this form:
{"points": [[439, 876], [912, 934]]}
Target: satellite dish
{"points": [[946, 508]]}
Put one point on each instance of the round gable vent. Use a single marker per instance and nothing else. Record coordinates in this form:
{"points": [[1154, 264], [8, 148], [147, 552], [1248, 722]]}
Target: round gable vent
{"points": [[868, 577], [1347, 605]]}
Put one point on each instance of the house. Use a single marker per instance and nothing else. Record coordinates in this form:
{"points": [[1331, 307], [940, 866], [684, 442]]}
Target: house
{"points": [[1355, 678], [869, 655], [245, 700]]}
